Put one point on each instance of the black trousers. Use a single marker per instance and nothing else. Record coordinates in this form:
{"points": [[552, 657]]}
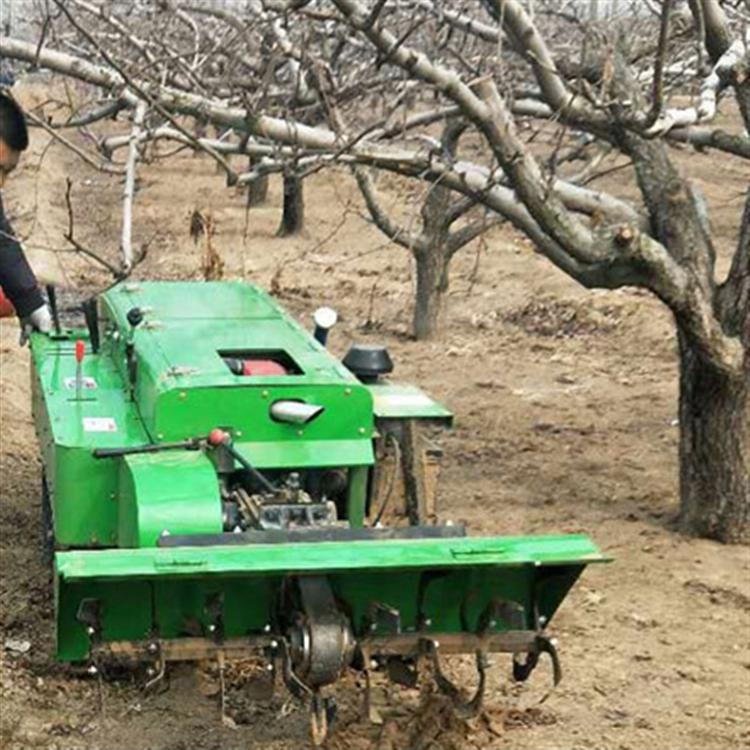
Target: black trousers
{"points": [[16, 277]]}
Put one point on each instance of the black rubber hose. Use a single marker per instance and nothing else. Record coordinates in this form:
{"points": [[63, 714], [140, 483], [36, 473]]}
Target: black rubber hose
{"points": [[189, 445], [249, 467]]}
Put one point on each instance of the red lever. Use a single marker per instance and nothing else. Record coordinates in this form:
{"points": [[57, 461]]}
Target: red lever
{"points": [[80, 348]]}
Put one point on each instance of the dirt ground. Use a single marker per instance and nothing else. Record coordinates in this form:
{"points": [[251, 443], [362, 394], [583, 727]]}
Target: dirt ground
{"points": [[565, 404]]}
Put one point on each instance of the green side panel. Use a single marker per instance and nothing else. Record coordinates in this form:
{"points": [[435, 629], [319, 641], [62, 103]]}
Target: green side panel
{"points": [[72, 421], [454, 599], [84, 498], [403, 401], [184, 606], [127, 614], [184, 388], [452, 583], [174, 492], [245, 410], [83, 490]]}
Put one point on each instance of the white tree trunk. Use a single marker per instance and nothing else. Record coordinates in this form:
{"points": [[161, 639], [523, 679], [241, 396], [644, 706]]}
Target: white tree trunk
{"points": [[126, 243]]}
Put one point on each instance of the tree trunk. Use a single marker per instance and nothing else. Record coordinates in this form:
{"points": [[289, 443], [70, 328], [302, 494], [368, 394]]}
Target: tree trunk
{"points": [[434, 254], [257, 190], [432, 288], [714, 450], [293, 215]]}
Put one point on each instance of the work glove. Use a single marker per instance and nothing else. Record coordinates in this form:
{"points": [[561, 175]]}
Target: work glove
{"points": [[39, 320]]}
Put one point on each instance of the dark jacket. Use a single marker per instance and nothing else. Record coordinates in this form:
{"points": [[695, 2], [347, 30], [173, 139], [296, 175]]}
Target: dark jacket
{"points": [[16, 277]]}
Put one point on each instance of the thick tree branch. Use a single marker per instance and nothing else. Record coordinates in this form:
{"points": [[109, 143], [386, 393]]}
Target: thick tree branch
{"points": [[714, 23], [734, 294], [489, 113], [526, 38], [728, 56]]}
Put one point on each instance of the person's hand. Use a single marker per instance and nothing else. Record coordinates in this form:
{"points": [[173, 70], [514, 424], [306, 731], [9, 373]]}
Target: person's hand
{"points": [[39, 320]]}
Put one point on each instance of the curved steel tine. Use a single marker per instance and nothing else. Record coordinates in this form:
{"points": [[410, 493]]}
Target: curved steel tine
{"points": [[367, 707], [465, 709], [547, 646], [319, 710], [318, 719], [159, 676], [543, 645], [295, 686]]}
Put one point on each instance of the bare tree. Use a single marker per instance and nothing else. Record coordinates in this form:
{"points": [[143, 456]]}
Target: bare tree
{"points": [[438, 240], [538, 91]]}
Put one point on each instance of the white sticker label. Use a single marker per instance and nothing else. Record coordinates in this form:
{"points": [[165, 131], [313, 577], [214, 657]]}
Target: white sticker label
{"points": [[403, 399], [87, 384], [99, 424]]}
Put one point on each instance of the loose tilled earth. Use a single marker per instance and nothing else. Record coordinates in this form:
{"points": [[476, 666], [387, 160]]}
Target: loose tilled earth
{"points": [[565, 404]]}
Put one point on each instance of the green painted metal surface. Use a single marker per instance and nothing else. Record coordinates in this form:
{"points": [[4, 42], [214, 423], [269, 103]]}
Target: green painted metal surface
{"points": [[357, 496], [328, 556], [403, 401], [152, 503], [166, 380], [301, 452], [183, 389], [180, 369], [451, 582], [83, 490]]}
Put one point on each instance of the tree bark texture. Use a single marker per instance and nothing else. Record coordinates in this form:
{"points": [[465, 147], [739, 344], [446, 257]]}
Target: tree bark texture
{"points": [[257, 190], [714, 449], [293, 213], [434, 252], [432, 287]]}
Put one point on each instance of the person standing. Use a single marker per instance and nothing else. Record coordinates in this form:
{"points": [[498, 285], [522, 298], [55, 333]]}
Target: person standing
{"points": [[17, 280]]}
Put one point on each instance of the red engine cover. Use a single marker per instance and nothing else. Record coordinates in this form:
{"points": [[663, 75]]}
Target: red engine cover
{"points": [[262, 367]]}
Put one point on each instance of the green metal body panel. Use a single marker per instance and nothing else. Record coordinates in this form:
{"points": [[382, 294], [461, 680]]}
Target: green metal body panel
{"points": [[82, 489], [403, 401], [165, 380], [181, 375], [152, 503]]}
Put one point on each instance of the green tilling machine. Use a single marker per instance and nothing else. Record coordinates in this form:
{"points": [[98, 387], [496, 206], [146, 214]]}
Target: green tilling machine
{"points": [[217, 485]]}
